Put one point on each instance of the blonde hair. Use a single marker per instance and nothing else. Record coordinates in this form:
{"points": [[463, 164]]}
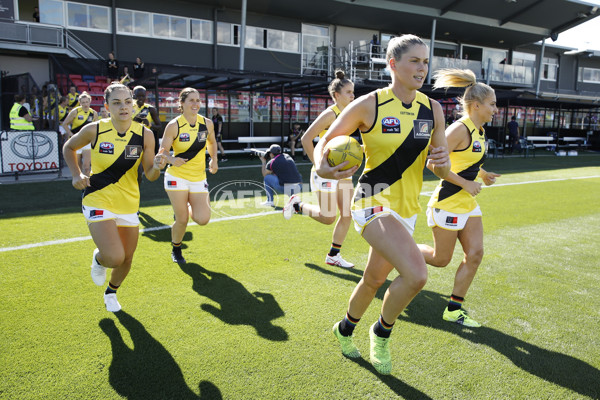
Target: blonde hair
{"points": [[85, 94], [400, 45], [338, 83], [474, 92]]}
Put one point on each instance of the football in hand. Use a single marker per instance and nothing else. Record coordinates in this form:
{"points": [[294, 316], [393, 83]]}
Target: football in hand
{"points": [[344, 148]]}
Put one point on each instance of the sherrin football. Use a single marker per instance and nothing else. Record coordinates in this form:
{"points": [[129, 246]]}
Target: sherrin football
{"points": [[344, 148]]}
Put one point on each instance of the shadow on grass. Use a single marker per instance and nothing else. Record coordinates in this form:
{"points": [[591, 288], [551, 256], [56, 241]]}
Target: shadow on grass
{"points": [[237, 306], [157, 231], [148, 371], [426, 310]]}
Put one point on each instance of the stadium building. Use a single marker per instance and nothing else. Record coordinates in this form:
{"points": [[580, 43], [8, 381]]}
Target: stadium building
{"points": [[266, 64]]}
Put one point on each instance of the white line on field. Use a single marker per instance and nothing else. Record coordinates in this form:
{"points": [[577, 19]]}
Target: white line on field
{"points": [[236, 217]]}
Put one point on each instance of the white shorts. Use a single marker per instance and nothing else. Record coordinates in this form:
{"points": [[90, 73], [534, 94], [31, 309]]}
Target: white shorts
{"points": [[364, 217], [318, 184], [173, 184], [93, 214], [86, 147], [449, 220]]}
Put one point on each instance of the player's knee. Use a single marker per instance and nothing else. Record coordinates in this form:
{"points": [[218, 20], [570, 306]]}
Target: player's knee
{"points": [[113, 259], [328, 219], [417, 278], [373, 283], [475, 256], [201, 219], [441, 260]]}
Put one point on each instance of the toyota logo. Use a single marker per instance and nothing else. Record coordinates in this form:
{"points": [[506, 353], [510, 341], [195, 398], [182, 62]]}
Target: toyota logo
{"points": [[32, 146]]}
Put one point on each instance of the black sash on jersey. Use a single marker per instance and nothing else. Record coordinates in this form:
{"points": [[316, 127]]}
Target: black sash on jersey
{"points": [[116, 171], [391, 170], [449, 189], [195, 148]]}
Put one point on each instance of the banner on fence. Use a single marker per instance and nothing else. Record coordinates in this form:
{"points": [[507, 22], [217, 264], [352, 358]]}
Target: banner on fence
{"points": [[29, 151]]}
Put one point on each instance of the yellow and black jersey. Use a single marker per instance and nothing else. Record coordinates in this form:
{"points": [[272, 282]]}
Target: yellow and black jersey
{"points": [[396, 149], [115, 160], [142, 112], [336, 111], [73, 99], [465, 163], [190, 144], [62, 113], [82, 118]]}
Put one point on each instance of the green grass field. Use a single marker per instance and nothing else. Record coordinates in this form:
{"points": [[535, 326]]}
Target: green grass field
{"points": [[250, 315]]}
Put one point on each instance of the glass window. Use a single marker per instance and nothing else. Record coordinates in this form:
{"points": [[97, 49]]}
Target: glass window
{"points": [[141, 23], [51, 12], [240, 106], [160, 25], [589, 75], [99, 18], [77, 15], [178, 27], [317, 106], [220, 101], [201, 30], [291, 41], [274, 39], [549, 69], [87, 16], [261, 105], [523, 59], [124, 21], [224, 33], [255, 37], [315, 30]]}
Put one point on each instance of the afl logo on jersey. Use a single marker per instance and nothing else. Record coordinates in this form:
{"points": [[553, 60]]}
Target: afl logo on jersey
{"points": [[422, 128], [390, 125], [106, 148], [184, 137], [476, 147]]}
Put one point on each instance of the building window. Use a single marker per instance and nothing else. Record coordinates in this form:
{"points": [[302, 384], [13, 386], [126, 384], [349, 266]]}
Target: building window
{"points": [[255, 37], [201, 30], [133, 22], [589, 75], [282, 40], [83, 16], [52, 12], [165, 26], [549, 69], [224, 33], [315, 49]]}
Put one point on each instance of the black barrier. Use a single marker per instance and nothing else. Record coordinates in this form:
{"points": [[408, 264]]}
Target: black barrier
{"points": [[29, 152]]}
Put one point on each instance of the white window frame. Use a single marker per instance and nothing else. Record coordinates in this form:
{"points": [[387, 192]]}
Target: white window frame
{"points": [[133, 25], [554, 63], [582, 70], [87, 28], [170, 27], [202, 22]]}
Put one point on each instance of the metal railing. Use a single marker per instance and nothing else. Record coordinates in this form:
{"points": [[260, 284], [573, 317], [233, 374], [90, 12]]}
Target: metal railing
{"points": [[52, 37]]}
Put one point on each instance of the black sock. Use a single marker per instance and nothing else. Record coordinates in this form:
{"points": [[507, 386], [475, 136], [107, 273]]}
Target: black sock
{"points": [[348, 324], [335, 249], [382, 328], [455, 303], [176, 247], [111, 288], [298, 207]]}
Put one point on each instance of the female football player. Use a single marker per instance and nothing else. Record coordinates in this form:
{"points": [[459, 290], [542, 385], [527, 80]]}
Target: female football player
{"points": [[331, 193], [111, 194], [76, 119], [453, 212], [399, 127], [189, 134]]}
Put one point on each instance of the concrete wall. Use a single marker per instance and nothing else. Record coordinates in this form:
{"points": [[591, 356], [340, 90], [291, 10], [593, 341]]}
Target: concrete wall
{"points": [[38, 67]]}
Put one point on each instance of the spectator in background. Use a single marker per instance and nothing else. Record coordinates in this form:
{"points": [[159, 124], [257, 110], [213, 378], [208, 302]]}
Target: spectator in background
{"points": [[280, 174], [36, 14], [295, 135], [112, 68], [513, 133], [20, 118], [375, 46], [217, 120], [146, 113], [138, 69], [73, 96], [125, 79]]}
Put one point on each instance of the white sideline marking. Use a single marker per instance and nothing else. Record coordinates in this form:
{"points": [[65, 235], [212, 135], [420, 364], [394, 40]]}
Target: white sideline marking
{"points": [[158, 228]]}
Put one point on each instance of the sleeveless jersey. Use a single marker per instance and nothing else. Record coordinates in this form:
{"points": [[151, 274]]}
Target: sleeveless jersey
{"points": [[336, 111], [115, 160], [82, 119], [190, 144], [73, 99], [142, 112], [62, 113], [396, 149], [465, 163]]}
